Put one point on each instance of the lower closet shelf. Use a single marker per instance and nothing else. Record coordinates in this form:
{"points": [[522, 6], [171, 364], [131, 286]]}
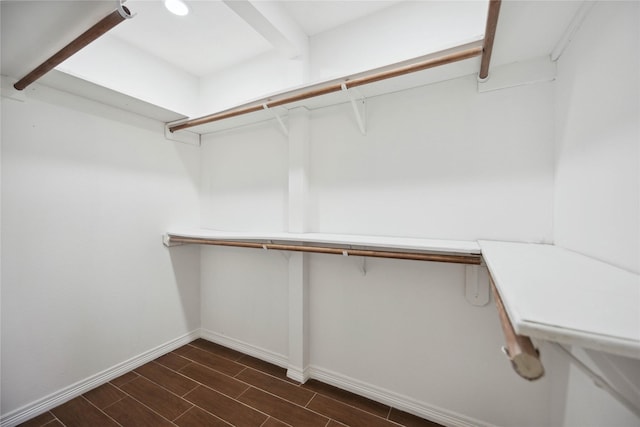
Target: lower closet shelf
{"points": [[454, 251]]}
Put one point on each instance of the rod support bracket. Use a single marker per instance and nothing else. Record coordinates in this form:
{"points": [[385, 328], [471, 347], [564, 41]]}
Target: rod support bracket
{"points": [[166, 240], [476, 285], [284, 128], [362, 265], [184, 137], [359, 107]]}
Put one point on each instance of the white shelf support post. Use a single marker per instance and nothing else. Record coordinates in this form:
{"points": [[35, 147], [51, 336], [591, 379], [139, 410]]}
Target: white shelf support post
{"points": [[359, 108], [299, 136], [476, 286], [284, 128]]}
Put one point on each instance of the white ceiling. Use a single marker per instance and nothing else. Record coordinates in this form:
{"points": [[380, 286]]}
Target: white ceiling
{"points": [[209, 38], [212, 36], [217, 34], [317, 16]]}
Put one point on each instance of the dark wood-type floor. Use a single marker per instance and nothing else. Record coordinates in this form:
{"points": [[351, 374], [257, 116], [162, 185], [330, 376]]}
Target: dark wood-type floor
{"points": [[205, 384]]}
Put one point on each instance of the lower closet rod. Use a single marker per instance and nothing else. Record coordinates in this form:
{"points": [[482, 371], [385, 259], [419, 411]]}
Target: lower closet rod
{"points": [[524, 357], [459, 259]]}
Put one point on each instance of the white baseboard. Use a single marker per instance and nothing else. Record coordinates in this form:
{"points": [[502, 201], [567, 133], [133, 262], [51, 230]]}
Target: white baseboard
{"points": [[246, 348], [387, 397], [395, 400], [40, 406]]}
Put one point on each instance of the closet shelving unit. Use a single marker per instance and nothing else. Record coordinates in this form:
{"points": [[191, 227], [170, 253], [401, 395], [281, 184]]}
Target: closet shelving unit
{"points": [[542, 291], [450, 62]]}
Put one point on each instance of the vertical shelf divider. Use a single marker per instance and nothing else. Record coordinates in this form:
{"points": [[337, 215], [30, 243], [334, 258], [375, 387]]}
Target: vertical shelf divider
{"points": [[298, 189]]}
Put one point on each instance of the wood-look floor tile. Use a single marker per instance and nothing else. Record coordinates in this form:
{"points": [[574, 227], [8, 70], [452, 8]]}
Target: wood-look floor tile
{"points": [[349, 398], [214, 379], [157, 398], [54, 423], [123, 379], [266, 367], [226, 408], [38, 421], [104, 395], [334, 423], [217, 349], [410, 420], [218, 363], [287, 412], [173, 361], [167, 378], [272, 422], [196, 417], [181, 351], [79, 412], [130, 413], [346, 414], [291, 392]]}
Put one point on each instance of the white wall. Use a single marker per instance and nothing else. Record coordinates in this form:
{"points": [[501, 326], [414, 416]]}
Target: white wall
{"points": [[87, 192], [441, 161], [119, 66], [597, 194], [597, 190], [467, 166], [403, 31], [253, 79]]}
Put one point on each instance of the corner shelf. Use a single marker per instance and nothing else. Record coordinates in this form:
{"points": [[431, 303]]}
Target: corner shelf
{"points": [[557, 295]]}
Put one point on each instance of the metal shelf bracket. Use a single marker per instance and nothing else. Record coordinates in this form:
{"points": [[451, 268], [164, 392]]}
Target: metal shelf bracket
{"points": [[284, 128], [359, 107], [597, 379]]}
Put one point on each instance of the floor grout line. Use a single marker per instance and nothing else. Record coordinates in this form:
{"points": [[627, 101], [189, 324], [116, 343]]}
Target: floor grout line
{"points": [[193, 405], [146, 406], [107, 415]]}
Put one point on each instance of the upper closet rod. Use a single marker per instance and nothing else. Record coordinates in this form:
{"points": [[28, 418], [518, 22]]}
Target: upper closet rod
{"points": [[489, 36], [448, 56], [104, 25]]}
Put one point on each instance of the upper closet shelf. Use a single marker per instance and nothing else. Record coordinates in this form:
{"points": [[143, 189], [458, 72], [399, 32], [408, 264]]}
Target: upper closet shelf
{"points": [[554, 294], [445, 64], [456, 251]]}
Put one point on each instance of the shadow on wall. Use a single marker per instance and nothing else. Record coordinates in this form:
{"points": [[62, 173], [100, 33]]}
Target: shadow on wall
{"points": [[575, 394], [185, 262]]}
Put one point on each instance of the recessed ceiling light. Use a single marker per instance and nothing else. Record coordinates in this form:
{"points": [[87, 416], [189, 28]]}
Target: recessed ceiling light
{"points": [[177, 7]]}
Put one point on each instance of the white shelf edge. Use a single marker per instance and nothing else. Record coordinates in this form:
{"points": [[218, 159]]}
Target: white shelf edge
{"points": [[609, 343], [415, 244]]}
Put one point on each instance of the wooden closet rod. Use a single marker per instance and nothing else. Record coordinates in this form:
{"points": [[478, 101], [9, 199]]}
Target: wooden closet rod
{"points": [[104, 25], [437, 59], [451, 258], [519, 349], [489, 36]]}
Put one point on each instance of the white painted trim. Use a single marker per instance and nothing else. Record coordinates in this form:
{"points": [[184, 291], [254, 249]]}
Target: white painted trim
{"points": [[536, 70], [572, 29], [246, 348], [59, 397], [299, 375], [395, 400]]}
